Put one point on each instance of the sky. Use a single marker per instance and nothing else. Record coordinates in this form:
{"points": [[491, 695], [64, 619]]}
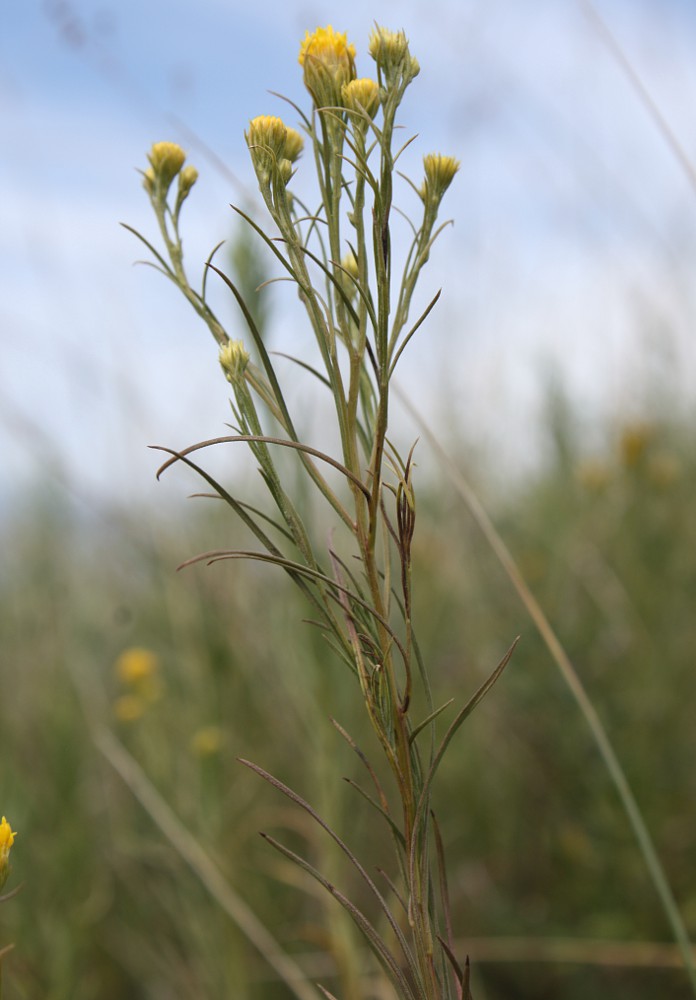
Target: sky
{"points": [[571, 256]]}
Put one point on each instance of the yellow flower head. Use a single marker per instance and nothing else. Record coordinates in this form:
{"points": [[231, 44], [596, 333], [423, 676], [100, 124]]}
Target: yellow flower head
{"points": [[439, 174], [328, 62], [390, 51], [361, 95], [138, 669], [7, 836], [233, 359], [166, 160], [136, 664]]}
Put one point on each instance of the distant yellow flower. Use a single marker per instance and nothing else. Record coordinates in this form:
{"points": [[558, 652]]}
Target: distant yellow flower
{"points": [[207, 741], [129, 708], [361, 95], [328, 62], [136, 664], [138, 669], [7, 836]]}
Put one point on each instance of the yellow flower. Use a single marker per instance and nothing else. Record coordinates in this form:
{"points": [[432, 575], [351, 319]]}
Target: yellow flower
{"points": [[166, 160], [361, 95], [7, 836], [328, 62], [136, 664], [234, 358], [207, 741], [129, 708], [439, 174]]}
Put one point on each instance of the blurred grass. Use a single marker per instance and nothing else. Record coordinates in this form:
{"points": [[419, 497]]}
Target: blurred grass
{"points": [[537, 843]]}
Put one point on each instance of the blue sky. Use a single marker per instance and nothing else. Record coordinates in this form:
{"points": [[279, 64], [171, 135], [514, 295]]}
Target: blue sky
{"points": [[573, 244]]}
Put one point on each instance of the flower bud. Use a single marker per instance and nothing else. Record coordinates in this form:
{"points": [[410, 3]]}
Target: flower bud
{"points": [[166, 160], [233, 360], [285, 170], [439, 173], [349, 275], [187, 178], [328, 62], [294, 144], [361, 95]]}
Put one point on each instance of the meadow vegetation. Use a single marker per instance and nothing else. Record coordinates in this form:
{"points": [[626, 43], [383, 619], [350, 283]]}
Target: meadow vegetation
{"points": [[537, 844]]}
